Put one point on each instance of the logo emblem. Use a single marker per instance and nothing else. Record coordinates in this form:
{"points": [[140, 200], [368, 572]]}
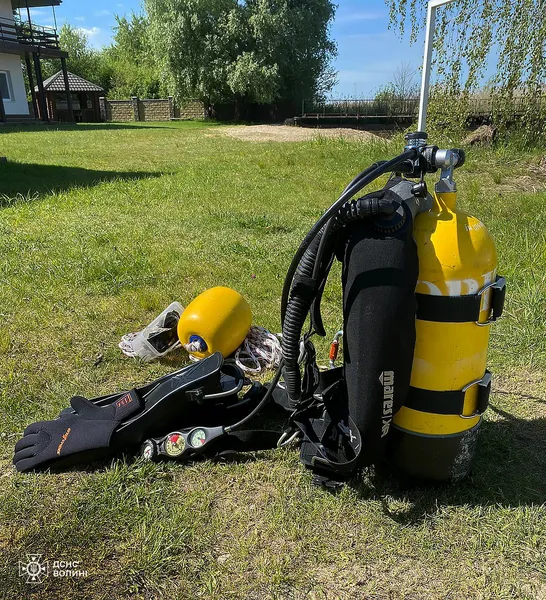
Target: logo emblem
{"points": [[34, 569], [346, 430], [387, 381]]}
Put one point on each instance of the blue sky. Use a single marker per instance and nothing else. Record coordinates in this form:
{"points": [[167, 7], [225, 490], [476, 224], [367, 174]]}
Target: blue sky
{"points": [[368, 53]]}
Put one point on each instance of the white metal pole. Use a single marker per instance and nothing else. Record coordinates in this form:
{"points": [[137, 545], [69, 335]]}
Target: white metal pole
{"points": [[427, 60]]}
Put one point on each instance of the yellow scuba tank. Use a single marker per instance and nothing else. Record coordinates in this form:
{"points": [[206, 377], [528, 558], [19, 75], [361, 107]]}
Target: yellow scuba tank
{"points": [[458, 296], [218, 320]]}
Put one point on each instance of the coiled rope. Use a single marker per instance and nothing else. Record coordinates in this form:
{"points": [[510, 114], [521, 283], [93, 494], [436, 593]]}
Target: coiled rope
{"points": [[261, 350]]}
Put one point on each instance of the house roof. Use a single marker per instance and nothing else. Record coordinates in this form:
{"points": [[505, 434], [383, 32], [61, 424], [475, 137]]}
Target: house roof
{"points": [[34, 3], [55, 83]]}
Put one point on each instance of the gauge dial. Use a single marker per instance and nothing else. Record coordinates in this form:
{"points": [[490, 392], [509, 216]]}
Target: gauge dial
{"points": [[148, 450], [175, 444], [197, 438]]}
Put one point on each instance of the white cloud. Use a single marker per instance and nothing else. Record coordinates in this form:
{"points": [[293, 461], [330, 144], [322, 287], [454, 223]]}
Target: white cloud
{"points": [[39, 16], [89, 31], [79, 18], [102, 13]]}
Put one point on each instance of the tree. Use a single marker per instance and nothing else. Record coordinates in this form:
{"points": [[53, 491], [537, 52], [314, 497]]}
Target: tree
{"points": [[125, 68], [134, 71], [293, 35], [469, 34], [244, 51], [392, 98], [404, 83], [194, 41]]}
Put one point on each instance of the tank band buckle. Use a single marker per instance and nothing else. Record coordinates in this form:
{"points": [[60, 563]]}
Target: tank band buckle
{"points": [[484, 390], [498, 295]]}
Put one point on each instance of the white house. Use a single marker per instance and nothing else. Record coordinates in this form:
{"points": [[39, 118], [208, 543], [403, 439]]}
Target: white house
{"points": [[22, 40]]}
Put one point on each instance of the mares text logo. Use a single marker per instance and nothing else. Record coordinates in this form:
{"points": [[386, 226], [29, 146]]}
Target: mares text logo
{"points": [[387, 381]]}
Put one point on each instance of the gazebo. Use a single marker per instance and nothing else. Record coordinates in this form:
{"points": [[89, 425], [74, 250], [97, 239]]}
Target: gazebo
{"points": [[81, 104]]}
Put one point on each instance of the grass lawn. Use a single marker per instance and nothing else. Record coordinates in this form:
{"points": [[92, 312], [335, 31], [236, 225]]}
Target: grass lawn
{"points": [[101, 227]]}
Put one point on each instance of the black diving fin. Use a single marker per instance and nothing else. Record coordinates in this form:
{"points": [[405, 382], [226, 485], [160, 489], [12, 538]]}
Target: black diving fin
{"points": [[92, 429]]}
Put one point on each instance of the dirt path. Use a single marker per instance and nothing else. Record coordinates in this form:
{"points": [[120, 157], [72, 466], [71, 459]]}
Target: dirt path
{"points": [[285, 133]]}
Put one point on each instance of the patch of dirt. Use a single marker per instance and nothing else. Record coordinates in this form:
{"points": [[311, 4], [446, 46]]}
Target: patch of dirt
{"points": [[525, 384], [540, 167], [483, 136], [286, 133], [531, 180], [522, 184]]}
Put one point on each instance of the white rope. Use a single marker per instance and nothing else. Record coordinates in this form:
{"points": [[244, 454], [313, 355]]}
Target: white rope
{"points": [[261, 350]]}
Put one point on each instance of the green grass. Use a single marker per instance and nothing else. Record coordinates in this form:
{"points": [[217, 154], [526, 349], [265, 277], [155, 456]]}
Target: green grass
{"points": [[101, 227]]}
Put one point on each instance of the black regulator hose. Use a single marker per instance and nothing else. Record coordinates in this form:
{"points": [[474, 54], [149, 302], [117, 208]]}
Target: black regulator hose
{"points": [[360, 181], [304, 271], [362, 174], [307, 281]]}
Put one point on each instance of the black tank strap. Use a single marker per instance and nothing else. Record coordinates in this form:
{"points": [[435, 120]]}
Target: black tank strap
{"points": [[331, 447], [461, 309], [449, 402]]}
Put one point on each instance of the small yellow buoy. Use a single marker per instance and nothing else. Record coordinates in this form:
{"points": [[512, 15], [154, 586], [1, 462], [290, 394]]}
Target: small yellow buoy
{"points": [[218, 320]]}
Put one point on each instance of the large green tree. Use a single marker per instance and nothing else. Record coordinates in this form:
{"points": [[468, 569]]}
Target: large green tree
{"points": [[125, 68], [244, 51], [134, 71], [470, 34]]}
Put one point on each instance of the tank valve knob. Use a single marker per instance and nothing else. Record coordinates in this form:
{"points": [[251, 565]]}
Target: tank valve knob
{"points": [[461, 156], [419, 190]]}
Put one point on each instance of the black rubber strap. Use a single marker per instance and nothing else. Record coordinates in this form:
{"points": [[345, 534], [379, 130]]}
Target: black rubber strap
{"points": [[305, 287], [448, 402], [461, 309], [448, 309], [316, 455], [430, 401]]}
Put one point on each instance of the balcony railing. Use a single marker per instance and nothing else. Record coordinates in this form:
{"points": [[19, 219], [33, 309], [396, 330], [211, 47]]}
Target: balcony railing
{"points": [[29, 34]]}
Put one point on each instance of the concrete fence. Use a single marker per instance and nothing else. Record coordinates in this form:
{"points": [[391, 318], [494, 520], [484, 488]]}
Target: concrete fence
{"points": [[162, 109]]}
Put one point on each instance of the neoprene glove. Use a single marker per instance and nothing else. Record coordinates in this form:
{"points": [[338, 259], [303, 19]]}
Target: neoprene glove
{"points": [[89, 427]]}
